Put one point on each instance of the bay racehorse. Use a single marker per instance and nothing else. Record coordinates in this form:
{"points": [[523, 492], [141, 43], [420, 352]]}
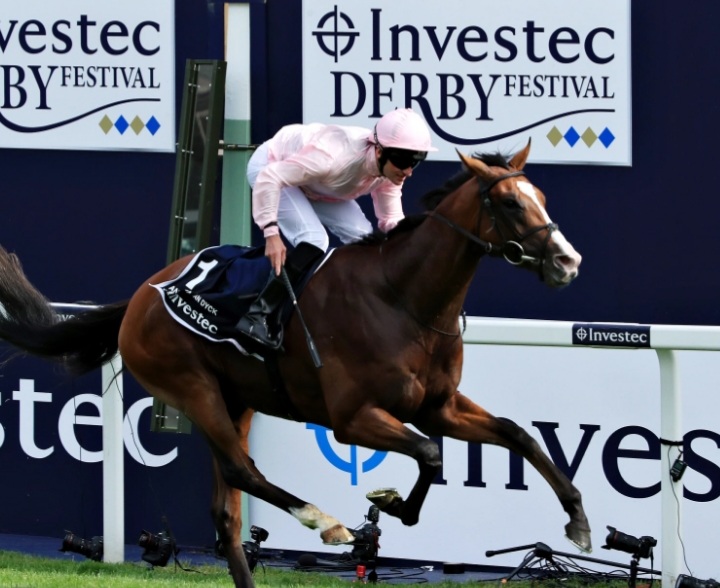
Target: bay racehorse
{"points": [[384, 315]]}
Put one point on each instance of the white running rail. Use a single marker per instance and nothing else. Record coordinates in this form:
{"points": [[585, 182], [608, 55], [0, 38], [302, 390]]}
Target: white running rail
{"points": [[665, 340], [113, 450]]}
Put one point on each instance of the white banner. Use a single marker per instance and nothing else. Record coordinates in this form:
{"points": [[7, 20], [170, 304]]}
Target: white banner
{"points": [[486, 76], [595, 411], [87, 74]]}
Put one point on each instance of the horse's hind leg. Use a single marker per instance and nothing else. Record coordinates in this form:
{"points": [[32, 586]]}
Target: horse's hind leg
{"points": [[226, 505], [238, 471], [226, 511], [235, 471], [226, 514], [460, 418]]}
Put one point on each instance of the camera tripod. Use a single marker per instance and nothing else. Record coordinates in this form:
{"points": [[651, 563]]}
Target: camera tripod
{"points": [[542, 551]]}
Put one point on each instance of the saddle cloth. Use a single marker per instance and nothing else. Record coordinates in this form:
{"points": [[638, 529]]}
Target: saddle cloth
{"points": [[216, 289]]}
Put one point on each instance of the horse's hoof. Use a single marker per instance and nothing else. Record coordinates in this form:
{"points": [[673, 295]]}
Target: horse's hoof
{"points": [[337, 535], [383, 497], [580, 538]]}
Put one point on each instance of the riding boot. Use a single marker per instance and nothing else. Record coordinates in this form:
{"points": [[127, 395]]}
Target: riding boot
{"points": [[300, 260], [260, 322], [256, 322]]}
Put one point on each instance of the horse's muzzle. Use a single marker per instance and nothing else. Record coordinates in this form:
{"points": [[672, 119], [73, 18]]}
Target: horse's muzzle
{"points": [[561, 269]]}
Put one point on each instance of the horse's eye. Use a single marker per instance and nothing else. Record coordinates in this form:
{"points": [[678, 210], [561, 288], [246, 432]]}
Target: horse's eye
{"points": [[511, 205]]}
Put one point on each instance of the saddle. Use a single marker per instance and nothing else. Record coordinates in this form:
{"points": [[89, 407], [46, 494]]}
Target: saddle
{"points": [[217, 287]]}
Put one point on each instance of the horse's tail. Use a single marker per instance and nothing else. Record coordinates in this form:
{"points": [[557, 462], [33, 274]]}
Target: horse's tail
{"points": [[29, 323]]}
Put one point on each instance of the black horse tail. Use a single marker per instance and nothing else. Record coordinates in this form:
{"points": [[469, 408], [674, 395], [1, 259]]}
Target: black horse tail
{"points": [[28, 322]]}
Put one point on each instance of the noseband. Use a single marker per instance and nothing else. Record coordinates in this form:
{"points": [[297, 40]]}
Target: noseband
{"points": [[511, 250]]}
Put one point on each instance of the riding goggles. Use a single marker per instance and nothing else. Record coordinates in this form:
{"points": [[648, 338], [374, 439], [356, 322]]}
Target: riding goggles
{"points": [[404, 158]]}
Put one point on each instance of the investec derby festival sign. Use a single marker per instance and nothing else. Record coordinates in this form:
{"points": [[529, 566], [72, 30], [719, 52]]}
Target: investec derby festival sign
{"points": [[87, 74], [486, 75]]}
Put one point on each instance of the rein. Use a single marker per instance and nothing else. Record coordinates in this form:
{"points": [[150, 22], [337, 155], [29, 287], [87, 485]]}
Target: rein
{"points": [[511, 250]]}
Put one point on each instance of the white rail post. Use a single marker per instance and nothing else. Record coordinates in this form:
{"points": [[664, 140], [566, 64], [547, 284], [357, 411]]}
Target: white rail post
{"points": [[671, 492], [113, 464]]}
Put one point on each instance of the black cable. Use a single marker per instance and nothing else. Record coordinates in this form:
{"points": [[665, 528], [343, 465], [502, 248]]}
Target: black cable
{"points": [[677, 529], [399, 575], [670, 443], [564, 567]]}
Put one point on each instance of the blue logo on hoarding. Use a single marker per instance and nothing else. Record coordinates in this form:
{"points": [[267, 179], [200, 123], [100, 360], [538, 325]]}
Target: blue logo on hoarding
{"points": [[350, 466]]}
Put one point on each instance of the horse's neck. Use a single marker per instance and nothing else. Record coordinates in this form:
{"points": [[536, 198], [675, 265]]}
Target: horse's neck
{"points": [[432, 269]]}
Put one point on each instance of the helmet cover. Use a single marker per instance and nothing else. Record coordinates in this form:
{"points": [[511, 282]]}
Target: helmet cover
{"points": [[403, 129]]}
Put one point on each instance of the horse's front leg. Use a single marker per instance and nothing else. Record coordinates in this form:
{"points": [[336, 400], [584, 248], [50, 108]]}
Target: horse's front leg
{"points": [[462, 419], [375, 429]]}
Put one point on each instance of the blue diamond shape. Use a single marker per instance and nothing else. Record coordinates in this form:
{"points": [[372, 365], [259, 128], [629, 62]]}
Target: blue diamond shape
{"points": [[152, 125], [121, 124], [572, 136], [606, 137]]}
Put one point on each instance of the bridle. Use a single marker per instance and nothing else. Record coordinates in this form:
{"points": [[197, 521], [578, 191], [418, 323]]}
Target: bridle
{"points": [[511, 250]]}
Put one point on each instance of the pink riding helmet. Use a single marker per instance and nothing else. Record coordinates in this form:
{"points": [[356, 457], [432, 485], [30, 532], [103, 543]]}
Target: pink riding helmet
{"points": [[403, 129]]}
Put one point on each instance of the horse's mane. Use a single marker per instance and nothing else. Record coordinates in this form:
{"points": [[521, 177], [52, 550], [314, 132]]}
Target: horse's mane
{"points": [[434, 197]]}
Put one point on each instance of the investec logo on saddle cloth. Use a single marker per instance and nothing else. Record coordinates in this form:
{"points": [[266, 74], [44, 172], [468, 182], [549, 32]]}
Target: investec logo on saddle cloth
{"points": [[88, 74], [597, 334], [482, 73], [202, 317]]}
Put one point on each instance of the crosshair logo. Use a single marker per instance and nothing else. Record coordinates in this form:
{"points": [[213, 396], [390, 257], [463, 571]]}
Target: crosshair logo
{"points": [[351, 465], [340, 33], [581, 334]]}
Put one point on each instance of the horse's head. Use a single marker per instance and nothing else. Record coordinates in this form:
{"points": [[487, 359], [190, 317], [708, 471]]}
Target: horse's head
{"points": [[513, 220]]}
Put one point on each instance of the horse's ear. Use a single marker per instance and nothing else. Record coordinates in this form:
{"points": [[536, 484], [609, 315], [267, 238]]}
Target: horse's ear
{"points": [[476, 166], [520, 158]]}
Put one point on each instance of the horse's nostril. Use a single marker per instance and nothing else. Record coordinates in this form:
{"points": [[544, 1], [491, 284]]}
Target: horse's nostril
{"points": [[566, 262]]}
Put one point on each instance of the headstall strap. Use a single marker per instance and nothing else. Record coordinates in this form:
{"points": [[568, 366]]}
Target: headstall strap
{"points": [[487, 204], [486, 190]]}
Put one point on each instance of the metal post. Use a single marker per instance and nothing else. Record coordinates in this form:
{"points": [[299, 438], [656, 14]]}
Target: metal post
{"points": [[235, 222], [113, 463], [671, 492]]}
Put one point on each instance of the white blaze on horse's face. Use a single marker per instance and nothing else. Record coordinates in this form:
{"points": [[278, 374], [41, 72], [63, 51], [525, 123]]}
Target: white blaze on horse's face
{"points": [[529, 190], [565, 261]]}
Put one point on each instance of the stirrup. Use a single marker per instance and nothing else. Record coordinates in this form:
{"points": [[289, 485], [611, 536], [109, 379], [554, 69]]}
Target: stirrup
{"points": [[254, 330]]}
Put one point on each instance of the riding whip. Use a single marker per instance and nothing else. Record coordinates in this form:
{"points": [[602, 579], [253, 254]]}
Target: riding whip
{"points": [[310, 343]]}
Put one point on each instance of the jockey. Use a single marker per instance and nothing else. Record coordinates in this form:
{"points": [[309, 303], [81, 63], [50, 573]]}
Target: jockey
{"points": [[307, 177]]}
